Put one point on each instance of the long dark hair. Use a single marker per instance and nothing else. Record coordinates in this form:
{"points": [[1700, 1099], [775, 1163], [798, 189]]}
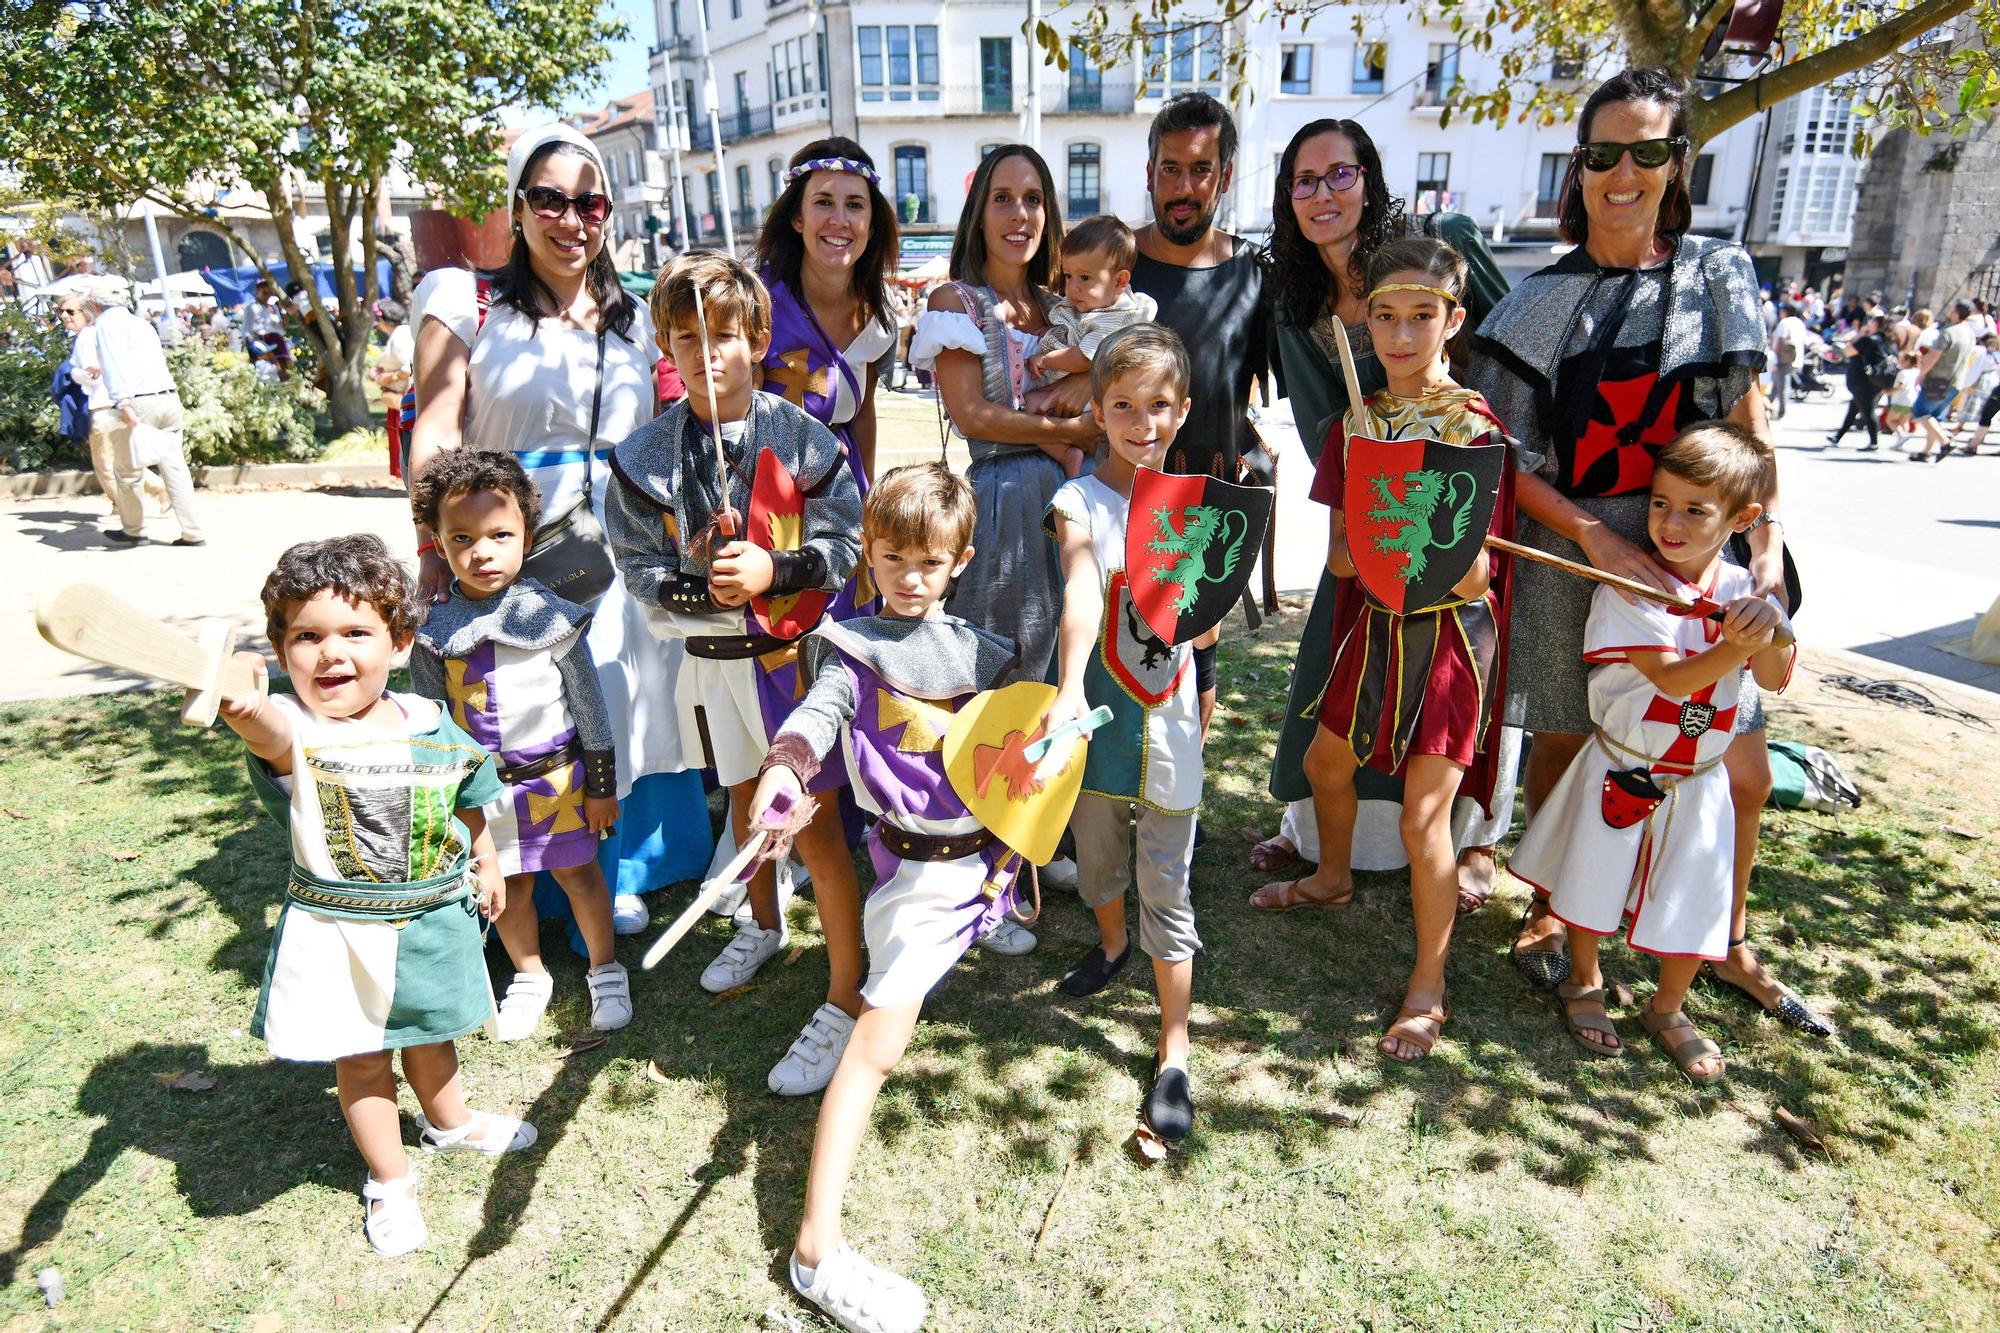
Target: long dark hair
{"points": [[517, 285], [1633, 85], [968, 245], [781, 250], [1296, 266]]}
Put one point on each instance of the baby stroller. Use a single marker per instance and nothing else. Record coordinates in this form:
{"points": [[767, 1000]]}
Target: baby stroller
{"points": [[1807, 379]]}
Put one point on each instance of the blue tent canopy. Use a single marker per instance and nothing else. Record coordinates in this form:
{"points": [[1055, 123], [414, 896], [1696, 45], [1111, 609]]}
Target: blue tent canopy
{"points": [[234, 286]]}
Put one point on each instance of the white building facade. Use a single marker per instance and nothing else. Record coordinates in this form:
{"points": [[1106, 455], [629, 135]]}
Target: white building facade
{"points": [[1804, 214], [928, 87]]}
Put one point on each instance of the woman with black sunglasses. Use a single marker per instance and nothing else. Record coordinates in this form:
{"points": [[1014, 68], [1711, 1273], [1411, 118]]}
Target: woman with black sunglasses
{"points": [[552, 362], [1331, 211], [1594, 364]]}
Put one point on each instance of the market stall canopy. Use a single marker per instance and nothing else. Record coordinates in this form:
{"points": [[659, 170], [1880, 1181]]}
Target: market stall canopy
{"points": [[233, 286]]}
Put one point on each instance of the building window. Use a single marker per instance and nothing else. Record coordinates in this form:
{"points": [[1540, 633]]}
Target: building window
{"points": [[1433, 182], [899, 78], [987, 150], [1565, 71], [632, 172], [1778, 199], [736, 9], [913, 184], [777, 170], [1548, 187], [715, 197], [1371, 62], [611, 172], [1086, 81], [1083, 197], [996, 74], [746, 207], [1295, 70], [1440, 74], [1699, 177], [1183, 57]]}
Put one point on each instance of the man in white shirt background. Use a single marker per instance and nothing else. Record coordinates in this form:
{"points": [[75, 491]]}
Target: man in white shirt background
{"points": [[123, 368], [1789, 342]]}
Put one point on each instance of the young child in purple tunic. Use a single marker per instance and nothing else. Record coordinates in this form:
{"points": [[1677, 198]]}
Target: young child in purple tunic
{"points": [[507, 659], [884, 690]]}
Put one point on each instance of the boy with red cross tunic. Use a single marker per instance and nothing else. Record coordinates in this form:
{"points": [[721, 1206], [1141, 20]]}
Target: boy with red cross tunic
{"points": [[1639, 831]]}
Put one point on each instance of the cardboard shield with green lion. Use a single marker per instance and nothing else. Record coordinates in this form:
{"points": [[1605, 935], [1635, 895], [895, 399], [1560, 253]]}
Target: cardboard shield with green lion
{"points": [[1417, 515], [1190, 544]]}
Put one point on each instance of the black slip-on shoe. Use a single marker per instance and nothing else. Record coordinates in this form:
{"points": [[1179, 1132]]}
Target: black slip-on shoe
{"points": [[1094, 971], [1170, 1105]]}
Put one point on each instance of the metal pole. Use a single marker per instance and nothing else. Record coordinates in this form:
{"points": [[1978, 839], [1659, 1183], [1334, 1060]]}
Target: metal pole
{"points": [[1031, 108], [153, 240], [715, 125], [674, 188]]}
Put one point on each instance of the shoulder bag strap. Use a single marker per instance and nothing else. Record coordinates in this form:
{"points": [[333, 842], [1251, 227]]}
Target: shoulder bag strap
{"points": [[596, 403]]}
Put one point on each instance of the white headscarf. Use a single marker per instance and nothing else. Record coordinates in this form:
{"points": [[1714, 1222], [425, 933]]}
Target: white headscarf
{"points": [[530, 141]]}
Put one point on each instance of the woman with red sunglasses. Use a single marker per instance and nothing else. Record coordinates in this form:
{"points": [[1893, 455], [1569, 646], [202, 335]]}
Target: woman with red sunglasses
{"points": [[551, 361], [1594, 364]]}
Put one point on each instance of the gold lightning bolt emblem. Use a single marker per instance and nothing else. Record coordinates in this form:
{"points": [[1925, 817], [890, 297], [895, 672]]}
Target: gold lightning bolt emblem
{"points": [[462, 695], [565, 807], [798, 383], [924, 724]]}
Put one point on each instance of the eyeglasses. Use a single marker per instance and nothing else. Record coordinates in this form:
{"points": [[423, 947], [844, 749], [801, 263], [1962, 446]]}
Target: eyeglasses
{"points": [[65, 312], [549, 203], [1649, 153], [1337, 180]]}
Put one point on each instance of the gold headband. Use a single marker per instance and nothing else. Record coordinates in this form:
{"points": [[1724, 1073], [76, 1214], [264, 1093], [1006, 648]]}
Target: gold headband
{"points": [[1413, 287]]}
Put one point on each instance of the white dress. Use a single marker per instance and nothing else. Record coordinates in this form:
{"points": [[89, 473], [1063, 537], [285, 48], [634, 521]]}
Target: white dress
{"points": [[529, 394], [1667, 872]]}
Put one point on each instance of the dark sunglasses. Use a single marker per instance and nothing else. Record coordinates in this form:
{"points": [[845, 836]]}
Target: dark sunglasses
{"points": [[546, 201], [1649, 153], [1340, 178]]}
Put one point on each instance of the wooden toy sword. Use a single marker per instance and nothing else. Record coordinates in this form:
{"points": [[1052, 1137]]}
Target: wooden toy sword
{"points": [[84, 619]]}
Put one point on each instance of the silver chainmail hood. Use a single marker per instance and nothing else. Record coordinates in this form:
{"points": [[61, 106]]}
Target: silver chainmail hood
{"points": [[525, 616]]}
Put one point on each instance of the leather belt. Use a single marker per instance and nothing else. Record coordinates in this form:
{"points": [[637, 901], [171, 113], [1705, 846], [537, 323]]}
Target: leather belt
{"points": [[733, 647], [571, 751], [932, 847]]}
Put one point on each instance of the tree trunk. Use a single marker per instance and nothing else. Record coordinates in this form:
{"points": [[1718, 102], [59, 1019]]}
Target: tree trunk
{"points": [[351, 399]]}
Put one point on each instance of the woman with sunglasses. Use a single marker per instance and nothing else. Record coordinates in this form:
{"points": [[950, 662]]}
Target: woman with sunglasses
{"points": [[1330, 213], [1595, 363], [553, 363]]}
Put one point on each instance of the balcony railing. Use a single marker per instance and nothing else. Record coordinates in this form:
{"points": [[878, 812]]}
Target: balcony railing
{"points": [[745, 122], [1082, 206], [749, 219], [1429, 93]]}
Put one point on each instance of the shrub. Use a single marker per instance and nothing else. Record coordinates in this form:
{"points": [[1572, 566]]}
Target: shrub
{"points": [[231, 415]]}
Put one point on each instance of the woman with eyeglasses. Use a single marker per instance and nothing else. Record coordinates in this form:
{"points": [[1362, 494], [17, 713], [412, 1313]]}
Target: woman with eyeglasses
{"points": [[1330, 213], [553, 362], [1595, 363]]}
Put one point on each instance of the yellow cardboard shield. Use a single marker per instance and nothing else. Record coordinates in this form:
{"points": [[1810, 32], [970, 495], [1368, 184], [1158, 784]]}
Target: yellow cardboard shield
{"points": [[1025, 808]]}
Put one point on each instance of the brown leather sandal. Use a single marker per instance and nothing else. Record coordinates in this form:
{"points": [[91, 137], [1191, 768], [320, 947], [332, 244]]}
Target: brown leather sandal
{"points": [[1581, 1021], [1287, 898], [1409, 1026], [1683, 1043]]}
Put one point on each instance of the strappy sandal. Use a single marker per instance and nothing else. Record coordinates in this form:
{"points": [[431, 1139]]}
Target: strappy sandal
{"points": [[1789, 1009], [1289, 899], [1272, 853], [1683, 1043], [1471, 900], [503, 1134], [1547, 968], [1409, 1027], [1580, 1022], [395, 1224]]}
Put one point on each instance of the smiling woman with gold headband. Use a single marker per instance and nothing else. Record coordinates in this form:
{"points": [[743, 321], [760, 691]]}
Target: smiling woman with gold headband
{"points": [[1594, 364]]}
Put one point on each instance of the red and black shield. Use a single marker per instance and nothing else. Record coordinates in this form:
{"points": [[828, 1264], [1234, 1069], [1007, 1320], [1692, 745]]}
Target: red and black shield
{"points": [[1417, 513], [777, 522], [1190, 543]]}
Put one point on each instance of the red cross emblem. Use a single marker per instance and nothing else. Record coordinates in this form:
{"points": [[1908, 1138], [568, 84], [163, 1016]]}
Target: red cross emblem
{"points": [[1616, 430], [1691, 718]]}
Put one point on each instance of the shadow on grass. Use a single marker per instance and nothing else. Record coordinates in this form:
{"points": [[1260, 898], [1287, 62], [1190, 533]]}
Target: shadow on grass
{"points": [[208, 1135]]}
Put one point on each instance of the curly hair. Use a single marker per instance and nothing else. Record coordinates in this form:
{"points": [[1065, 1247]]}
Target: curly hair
{"points": [[464, 471], [781, 249], [1299, 274], [359, 568]]}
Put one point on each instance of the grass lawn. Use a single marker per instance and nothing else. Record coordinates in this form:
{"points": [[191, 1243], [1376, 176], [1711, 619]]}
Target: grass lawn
{"points": [[1508, 1181]]}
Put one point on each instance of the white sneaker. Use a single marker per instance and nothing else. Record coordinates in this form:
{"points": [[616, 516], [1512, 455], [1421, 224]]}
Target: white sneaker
{"points": [[859, 1296], [808, 1067], [628, 914], [396, 1227], [610, 996], [497, 1134], [735, 899], [1059, 874], [738, 962], [1009, 938], [521, 1009]]}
